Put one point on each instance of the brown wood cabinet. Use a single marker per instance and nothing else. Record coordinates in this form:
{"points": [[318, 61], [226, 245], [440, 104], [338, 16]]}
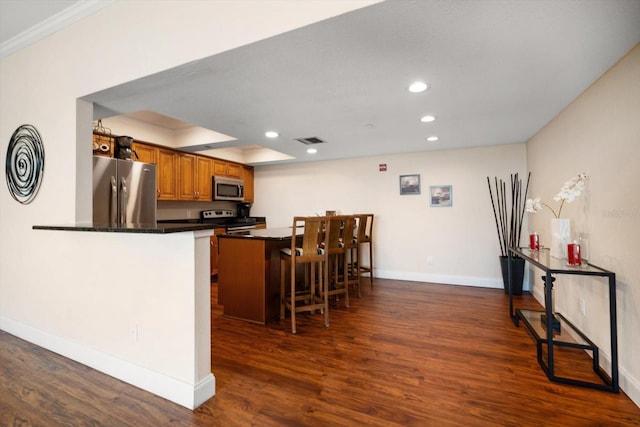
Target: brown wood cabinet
{"points": [[186, 176], [165, 168], [167, 171], [249, 275], [247, 176], [213, 254], [146, 153], [204, 172], [214, 251], [194, 177], [228, 169]]}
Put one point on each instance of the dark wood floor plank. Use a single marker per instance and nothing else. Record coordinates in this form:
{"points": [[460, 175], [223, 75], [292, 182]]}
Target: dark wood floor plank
{"points": [[404, 354]]}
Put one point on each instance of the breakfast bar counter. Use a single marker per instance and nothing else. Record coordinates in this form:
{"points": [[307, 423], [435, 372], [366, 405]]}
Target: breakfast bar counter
{"points": [[249, 273], [155, 228]]}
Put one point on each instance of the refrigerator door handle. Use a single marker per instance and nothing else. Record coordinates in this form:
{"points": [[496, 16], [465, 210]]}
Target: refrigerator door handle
{"points": [[113, 206], [124, 198]]}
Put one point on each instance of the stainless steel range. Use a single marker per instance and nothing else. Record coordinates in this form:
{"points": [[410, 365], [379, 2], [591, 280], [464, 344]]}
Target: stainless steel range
{"points": [[226, 217], [216, 216]]}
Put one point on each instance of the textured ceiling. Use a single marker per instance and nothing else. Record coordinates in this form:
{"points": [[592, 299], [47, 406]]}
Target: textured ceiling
{"points": [[498, 72]]}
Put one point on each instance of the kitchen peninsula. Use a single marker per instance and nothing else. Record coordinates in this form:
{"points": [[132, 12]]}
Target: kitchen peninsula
{"points": [[139, 299], [158, 228], [249, 273]]}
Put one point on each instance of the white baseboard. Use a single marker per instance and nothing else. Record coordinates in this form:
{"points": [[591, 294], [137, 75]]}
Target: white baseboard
{"points": [[187, 395], [630, 386], [203, 391], [627, 383], [480, 282]]}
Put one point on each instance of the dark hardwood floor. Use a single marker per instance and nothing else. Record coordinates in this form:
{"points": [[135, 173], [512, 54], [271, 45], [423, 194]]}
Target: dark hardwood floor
{"points": [[404, 354]]}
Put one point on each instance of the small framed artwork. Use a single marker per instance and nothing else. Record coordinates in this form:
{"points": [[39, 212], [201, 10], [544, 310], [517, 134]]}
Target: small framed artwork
{"points": [[409, 184], [441, 195]]}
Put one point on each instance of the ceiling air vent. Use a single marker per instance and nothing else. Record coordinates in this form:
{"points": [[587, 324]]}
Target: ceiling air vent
{"points": [[311, 140]]}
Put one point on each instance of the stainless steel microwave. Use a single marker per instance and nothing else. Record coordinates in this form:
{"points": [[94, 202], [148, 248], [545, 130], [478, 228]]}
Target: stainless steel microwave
{"points": [[228, 189]]}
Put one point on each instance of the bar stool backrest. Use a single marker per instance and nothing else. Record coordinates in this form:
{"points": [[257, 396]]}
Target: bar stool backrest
{"points": [[347, 236], [311, 238], [332, 243], [365, 228]]}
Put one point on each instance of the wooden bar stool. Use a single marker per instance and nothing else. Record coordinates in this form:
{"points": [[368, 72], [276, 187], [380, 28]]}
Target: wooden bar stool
{"points": [[337, 256], [313, 256], [350, 242], [365, 237]]}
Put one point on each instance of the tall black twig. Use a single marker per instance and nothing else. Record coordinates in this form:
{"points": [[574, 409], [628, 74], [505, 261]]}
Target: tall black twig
{"points": [[495, 216], [508, 210]]}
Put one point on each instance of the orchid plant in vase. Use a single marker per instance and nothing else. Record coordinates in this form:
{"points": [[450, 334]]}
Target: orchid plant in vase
{"points": [[560, 228], [568, 193]]}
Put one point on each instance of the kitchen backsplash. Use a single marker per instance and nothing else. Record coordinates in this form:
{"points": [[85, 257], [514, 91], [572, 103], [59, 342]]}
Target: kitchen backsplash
{"points": [[169, 210]]}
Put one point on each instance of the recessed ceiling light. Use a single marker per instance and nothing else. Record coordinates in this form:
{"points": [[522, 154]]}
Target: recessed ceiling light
{"points": [[427, 119], [417, 87], [271, 134], [432, 139], [312, 151]]}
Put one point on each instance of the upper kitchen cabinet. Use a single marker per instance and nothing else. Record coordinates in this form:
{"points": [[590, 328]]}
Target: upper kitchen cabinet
{"points": [[146, 153], [167, 174], [186, 176], [228, 169], [194, 177], [247, 176], [204, 172]]}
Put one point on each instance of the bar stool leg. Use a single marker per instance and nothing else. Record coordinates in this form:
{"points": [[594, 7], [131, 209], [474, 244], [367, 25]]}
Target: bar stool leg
{"points": [[293, 299], [371, 263], [283, 275]]}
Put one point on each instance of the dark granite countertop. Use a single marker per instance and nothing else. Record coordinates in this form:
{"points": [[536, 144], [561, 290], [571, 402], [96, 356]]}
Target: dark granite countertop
{"points": [[218, 222], [282, 233], [159, 228]]}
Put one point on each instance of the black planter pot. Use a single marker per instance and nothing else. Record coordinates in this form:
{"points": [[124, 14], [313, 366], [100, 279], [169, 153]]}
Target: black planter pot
{"points": [[517, 274]]}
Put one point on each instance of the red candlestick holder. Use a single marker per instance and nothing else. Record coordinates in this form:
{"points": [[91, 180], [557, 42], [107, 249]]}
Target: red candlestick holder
{"points": [[534, 241], [574, 257]]}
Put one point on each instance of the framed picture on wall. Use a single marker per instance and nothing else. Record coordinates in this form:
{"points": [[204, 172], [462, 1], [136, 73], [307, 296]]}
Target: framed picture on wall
{"points": [[409, 184], [441, 195]]}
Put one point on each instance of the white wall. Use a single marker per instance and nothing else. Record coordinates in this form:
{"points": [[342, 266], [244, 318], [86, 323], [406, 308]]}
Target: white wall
{"points": [[45, 285], [461, 239], [599, 133]]}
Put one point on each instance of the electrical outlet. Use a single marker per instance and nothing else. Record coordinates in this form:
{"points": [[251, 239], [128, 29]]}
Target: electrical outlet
{"points": [[188, 213], [429, 259], [133, 331], [583, 307]]}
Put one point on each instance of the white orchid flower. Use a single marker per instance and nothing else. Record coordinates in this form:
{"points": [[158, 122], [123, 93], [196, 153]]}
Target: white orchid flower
{"points": [[533, 205], [568, 193]]}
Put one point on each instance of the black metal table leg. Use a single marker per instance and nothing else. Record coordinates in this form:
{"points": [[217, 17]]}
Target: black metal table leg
{"points": [[548, 302]]}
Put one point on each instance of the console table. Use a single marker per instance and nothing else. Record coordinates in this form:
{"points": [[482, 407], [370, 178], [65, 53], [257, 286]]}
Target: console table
{"points": [[551, 329]]}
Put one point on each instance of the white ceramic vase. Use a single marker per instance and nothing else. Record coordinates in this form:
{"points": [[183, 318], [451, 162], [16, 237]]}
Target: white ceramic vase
{"points": [[560, 236]]}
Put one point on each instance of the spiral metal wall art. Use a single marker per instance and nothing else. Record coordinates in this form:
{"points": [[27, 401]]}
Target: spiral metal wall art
{"points": [[25, 164]]}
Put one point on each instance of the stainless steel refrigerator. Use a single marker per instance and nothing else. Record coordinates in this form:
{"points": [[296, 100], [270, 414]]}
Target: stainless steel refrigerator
{"points": [[124, 192]]}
